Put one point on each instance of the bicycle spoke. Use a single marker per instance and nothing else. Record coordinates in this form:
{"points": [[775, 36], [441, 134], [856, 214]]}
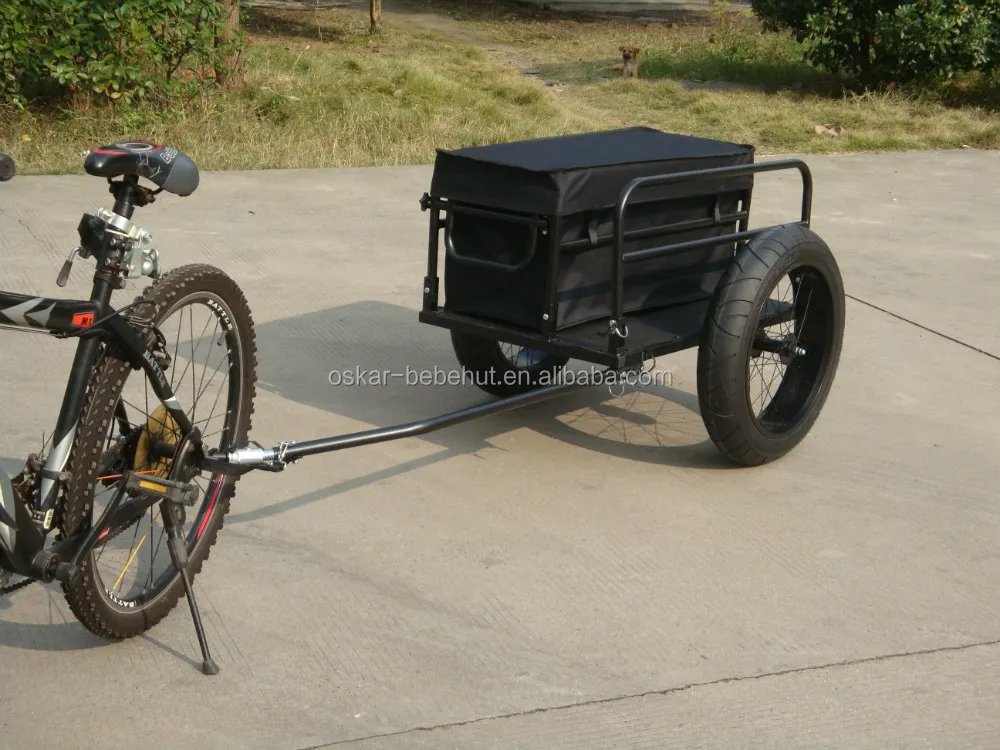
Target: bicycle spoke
{"points": [[224, 361], [213, 434], [177, 348], [119, 566], [145, 412], [152, 553], [152, 557], [202, 421], [770, 393], [180, 378], [805, 313], [133, 550], [134, 535], [194, 349], [193, 389], [214, 405], [199, 390]]}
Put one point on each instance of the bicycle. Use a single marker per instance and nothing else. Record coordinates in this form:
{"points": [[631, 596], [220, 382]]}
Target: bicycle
{"points": [[134, 447]]}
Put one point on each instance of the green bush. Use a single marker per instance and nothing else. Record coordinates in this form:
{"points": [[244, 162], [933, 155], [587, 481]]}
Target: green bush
{"points": [[876, 42], [129, 49]]}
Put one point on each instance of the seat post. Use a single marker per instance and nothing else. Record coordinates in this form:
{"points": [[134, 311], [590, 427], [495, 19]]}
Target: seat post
{"points": [[124, 193]]}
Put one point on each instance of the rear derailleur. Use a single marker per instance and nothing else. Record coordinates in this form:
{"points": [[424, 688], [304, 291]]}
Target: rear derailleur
{"points": [[26, 485]]}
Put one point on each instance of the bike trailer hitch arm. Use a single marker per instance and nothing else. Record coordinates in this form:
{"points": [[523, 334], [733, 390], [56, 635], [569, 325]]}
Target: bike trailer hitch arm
{"points": [[243, 460]]}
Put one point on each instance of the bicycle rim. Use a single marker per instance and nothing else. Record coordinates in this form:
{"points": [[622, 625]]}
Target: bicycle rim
{"points": [[133, 566]]}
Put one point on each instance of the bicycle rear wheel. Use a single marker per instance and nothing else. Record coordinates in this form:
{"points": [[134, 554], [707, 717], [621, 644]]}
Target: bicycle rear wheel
{"points": [[128, 583]]}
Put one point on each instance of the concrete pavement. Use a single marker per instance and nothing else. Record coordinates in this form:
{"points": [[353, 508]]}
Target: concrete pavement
{"points": [[585, 573]]}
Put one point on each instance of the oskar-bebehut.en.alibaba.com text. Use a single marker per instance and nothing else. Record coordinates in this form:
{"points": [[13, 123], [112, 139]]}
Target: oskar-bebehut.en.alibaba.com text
{"points": [[361, 377]]}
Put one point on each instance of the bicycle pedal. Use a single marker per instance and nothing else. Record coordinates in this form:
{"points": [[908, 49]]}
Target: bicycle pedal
{"points": [[178, 492]]}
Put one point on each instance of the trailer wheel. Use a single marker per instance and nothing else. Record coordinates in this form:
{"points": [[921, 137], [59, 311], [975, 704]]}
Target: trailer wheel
{"points": [[771, 345], [503, 369]]}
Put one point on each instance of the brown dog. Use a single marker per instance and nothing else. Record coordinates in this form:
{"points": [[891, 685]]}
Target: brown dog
{"points": [[630, 61]]}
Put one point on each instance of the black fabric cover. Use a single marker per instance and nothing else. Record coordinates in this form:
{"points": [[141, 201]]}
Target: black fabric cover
{"points": [[579, 178]]}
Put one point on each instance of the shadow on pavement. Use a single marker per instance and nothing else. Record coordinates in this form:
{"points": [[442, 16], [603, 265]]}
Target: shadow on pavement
{"points": [[296, 356], [318, 359], [659, 424], [58, 636]]}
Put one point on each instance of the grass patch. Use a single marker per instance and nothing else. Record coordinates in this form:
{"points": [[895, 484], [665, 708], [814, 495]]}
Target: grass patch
{"points": [[350, 101], [320, 92], [734, 82], [784, 122], [768, 61]]}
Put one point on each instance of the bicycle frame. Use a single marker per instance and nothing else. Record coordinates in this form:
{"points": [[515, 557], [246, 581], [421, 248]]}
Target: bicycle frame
{"points": [[24, 525], [112, 239]]}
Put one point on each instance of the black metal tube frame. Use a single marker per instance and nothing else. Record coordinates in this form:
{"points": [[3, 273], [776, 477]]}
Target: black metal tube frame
{"points": [[552, 228], [675, 228], [102, 323], [616, 339]]}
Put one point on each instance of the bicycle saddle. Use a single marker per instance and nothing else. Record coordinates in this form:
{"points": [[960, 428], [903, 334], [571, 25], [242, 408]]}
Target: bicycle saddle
{"points": [[167, 167]]}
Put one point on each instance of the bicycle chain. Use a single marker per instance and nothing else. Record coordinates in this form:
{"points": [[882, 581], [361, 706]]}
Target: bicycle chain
{"points": [[158, 344], [11, 588]]}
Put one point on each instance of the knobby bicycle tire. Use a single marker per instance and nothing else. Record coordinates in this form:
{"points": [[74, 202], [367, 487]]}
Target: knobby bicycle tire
{"points": [[89, 601]]}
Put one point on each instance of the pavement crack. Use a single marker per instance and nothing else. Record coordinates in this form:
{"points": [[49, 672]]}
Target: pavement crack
{"points": [[29, 230], [665, 691], [929, 330]]}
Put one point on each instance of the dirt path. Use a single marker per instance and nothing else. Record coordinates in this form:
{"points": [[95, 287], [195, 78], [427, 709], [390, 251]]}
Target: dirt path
{"points": [[413, 17], [403, 11], [511, 57], [440, 24]]}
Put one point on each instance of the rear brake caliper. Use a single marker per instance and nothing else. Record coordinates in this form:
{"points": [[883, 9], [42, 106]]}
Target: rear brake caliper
{"points": [[159, 349]]}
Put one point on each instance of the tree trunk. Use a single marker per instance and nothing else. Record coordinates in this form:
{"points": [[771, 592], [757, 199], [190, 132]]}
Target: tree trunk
{"points": [[227, 68], [376, 13]]}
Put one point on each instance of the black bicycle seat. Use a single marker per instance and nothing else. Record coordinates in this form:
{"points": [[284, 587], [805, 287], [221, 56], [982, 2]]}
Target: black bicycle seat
{"points": [[166, 167]]}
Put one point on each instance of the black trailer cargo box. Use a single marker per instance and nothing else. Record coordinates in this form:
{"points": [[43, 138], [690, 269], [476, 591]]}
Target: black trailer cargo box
{"points": [[508, 201]]}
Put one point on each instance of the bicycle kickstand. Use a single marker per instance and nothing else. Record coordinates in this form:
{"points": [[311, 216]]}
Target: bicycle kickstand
{"points": [[173, 521]]}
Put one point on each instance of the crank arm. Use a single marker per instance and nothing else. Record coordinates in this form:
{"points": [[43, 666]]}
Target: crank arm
{"points": [[151, 490]]}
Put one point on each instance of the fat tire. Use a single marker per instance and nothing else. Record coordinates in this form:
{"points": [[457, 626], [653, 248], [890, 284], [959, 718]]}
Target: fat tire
{"points": [[729, 331], [83, 593], [485, 362]]}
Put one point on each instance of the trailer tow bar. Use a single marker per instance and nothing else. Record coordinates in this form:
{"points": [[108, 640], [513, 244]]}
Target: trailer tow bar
{"points": [[243, 460]]}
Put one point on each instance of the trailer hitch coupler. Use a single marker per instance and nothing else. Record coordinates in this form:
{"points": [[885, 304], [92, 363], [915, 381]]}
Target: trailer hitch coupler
{"points": [[245, 456]]}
